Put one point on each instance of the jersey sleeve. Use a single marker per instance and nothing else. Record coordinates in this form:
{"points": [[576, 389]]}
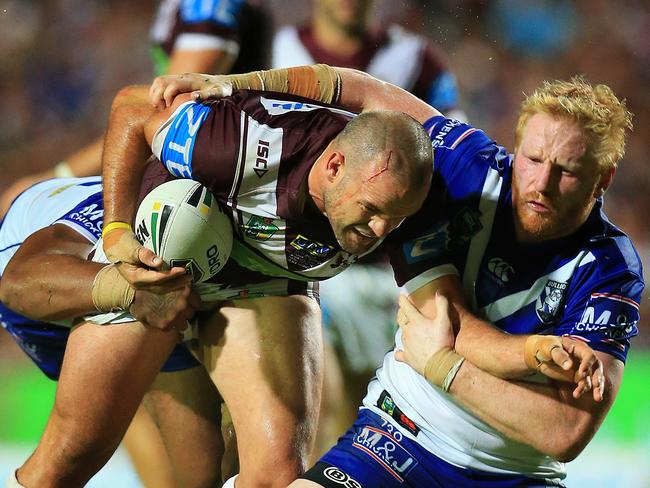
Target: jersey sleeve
{"points": [[86, 217], [201, 142], [604, 314], [209, 24], [426, 245]]}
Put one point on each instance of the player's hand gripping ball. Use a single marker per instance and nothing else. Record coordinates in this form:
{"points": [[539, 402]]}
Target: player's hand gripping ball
{"points": [[182, 223]]}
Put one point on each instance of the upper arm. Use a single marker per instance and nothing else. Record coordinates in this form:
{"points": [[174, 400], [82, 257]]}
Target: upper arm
{"points": [[54, 239], [448, 285], [604, 313], [586, 415]]}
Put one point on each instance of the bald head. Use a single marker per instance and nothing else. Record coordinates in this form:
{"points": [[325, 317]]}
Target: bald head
{"points": [[386, 143], [373, 175]]}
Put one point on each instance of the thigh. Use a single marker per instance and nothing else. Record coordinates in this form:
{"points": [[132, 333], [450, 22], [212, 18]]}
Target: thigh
{"points": [[265, 357], [108, 369], [186, 407], [105, 373]]}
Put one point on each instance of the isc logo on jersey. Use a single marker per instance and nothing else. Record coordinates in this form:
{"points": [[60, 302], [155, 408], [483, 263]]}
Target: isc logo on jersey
{"points": [[182, 223]]}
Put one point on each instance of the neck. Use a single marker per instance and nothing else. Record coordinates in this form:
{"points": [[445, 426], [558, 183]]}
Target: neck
{"points": [[333, 36], [315, 185]]}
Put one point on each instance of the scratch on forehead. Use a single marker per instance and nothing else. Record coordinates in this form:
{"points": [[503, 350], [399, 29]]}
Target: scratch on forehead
{"points": [[381, 170]]}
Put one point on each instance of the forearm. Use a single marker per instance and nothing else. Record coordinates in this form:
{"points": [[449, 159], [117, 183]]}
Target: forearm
{"points": [[215, 61], [361, 91], [353, 90], [125, 153], [60, 290], [490, 349], [544, 416], [88, 160]]}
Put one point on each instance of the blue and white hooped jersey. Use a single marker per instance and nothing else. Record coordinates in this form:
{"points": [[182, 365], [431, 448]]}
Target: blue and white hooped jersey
{"points": [[75, 202], [587, 285]]}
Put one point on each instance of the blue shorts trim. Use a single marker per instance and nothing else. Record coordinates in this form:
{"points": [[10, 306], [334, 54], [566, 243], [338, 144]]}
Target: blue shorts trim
{"points": [[45, 344], [374, 453]]}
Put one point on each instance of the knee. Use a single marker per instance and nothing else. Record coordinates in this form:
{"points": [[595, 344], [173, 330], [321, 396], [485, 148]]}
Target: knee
{"points": [[275, 468], [75, 446], [268, 477]]}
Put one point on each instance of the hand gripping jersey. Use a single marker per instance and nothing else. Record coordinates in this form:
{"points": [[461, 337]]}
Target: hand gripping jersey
{"points": [[422, 68], [253, 151], [586, 285], [238, 27], [76, 203]]}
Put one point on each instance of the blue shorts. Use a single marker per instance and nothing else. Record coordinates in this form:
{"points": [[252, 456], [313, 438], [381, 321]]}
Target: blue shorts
{"points": [[375, 454], [45, 344]]}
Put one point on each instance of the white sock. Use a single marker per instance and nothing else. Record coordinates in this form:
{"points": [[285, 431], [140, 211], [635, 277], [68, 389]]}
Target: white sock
{"points": [[230, 483], [12, 481]]}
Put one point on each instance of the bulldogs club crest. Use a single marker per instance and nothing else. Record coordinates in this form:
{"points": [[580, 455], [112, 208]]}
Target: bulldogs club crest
{"points": [[550, 301]]}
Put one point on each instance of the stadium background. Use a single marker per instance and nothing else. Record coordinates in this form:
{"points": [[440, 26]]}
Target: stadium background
{"points": [[61, 61]]}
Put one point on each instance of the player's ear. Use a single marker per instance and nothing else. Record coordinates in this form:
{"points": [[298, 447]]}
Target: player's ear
{"points": [[605, 181], [334, 166]]}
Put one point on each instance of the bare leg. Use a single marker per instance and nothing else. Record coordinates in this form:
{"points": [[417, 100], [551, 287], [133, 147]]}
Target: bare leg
{"points": [[187, 408], [147, 451], [105, 373], [230, 460], [265, 357]]}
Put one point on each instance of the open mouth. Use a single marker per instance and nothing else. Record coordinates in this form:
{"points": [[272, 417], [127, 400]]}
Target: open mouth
{"points": [[366, 233]]}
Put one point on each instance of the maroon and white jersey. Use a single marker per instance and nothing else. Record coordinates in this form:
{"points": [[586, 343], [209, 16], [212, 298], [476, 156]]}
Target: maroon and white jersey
{"points": [[253, 151], [242, 28], [392, 54]]}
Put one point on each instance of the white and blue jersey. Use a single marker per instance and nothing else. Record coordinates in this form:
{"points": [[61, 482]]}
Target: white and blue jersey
{"points": [[73, 202], [587, 285]]}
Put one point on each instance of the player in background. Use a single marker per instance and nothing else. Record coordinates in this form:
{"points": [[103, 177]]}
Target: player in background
{"points": [[47, 281], [217, 36], [535, 254], [346, 33]]}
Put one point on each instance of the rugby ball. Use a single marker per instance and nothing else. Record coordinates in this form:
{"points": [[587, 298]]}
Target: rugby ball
{"points": [[182, 223]]}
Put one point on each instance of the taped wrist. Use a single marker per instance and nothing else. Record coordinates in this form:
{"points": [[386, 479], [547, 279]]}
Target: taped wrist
{"points": [[320, 82], [538, 349], [123, 249], [111, 291], [442, 367]]}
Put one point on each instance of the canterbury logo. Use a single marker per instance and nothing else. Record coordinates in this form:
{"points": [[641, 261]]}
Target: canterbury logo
{"points": [[501, 269]]}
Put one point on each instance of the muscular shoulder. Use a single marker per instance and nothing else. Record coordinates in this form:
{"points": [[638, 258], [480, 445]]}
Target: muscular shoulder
{"points": [[613, 251]]}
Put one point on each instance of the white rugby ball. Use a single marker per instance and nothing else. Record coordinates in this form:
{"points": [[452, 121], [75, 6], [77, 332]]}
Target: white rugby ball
{"points": [[182, 223]]}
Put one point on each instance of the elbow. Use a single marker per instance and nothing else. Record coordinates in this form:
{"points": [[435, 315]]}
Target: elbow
{"points": [[10, 292], [125, 95], [130, 100], [568, 453], [568, 443]]}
